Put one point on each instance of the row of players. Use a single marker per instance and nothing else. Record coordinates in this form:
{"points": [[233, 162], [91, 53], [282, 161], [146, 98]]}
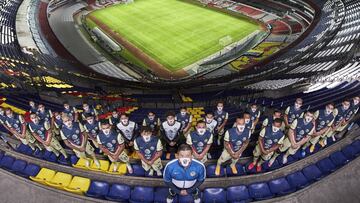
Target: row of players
{"points": [[117, 135]]}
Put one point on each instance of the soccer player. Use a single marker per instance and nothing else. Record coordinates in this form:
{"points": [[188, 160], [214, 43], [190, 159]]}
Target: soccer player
{"points": [[44, 114], [112, 144], [170, 133], [323, 121], [88, 110], [270, 139], [248, 122], [254, 114], [236, 140], [76, 138], [270, 119], [185, 119], [293, 112], [353, 109], [299, 133], [129, 131], [200, 141], [71, 112], [184, 175], [114, 118], [17, 126], [221, 117], [92, 127], [149, 149], [152, 121], [42, 131], [56, 122], [211, 123], [33, 108]]}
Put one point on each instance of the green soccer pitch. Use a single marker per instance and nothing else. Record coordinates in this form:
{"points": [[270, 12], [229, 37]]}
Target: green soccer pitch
{"points": [[172, 32]]}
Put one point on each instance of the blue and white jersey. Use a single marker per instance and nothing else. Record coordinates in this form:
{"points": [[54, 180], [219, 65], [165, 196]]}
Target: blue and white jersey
{"points": [[2, 118], [341, 114], [184, 178], [153, 124], [220, 117], [33, 110], [293, 113], [40, 129], [323, 120], [92, 129], [128, 131], [46, 115], [171, 132], [352, 111], [210, 126], [184, 120], [90, 111], [16, 122], [302, 129], [254, 115], [70, 112]]}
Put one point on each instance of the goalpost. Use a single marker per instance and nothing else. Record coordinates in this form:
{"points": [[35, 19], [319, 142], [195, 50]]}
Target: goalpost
{"points": [[225, 41]]}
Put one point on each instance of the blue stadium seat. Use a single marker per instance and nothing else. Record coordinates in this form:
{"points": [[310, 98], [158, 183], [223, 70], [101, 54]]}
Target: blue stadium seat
{"points": [[356, 144], [24, 149], [349, 152], [239, 168], [2, 154], [326, 166], [98, 189], [7, 162], [39, 154], [119, 192], [214, 195], [312, 173], [185, 199], [237, 194], [49, 156], [338, 159], [30, 170], [18, 165], [210, 171], [260, 191], [161, 194], [142, 194], [61, 160], [297, 180], [73, 159], [275, 165], [138, 170], [280, 187]]}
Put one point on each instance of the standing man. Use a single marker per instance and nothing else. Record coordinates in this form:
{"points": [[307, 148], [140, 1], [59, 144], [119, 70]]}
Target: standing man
{"points": [[71, 112], [211, 123], [184, 175], [221, 117], [92, 127], [152, 121], [149, 149], [129, 131], [185, 119], [254, 114], [170, 133], [114, 118], [236, 140], [293, 112], [44, 114], [33, 108], [200, 141], [88, 110]]}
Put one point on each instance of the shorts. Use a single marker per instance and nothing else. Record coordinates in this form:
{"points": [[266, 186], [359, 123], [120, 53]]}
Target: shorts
{"points": [[287, 147], [88, 150], [29, 138], [54, 144], [157, 165], [123, 157], [225, 156], [257, 153]]}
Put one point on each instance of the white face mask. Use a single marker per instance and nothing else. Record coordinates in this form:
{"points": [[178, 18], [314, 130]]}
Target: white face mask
{"points": [[124, 121], [253, 110], [208, 120], [308, 119], [183, 113], [151, 118], [58, 117], [328, 111], [275, 129], [247, 121], [201, 131], [147, 138], [185, 161], [346, 107], [106, 131], [241, 128], [2, 112], [297, 106], [90, 121], [219, 108], [356, 101], [171, 122], [86, 108]]}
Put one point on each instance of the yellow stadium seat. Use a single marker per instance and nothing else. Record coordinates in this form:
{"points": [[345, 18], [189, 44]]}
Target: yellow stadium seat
{"points": [[60, 180], [44, 175], [134, 155], [122, 169], [196, 116], [104, 166], [82, 163], [78, 185]]}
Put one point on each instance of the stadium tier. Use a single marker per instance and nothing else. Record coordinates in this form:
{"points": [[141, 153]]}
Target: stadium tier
{"points": [[213, 101]]}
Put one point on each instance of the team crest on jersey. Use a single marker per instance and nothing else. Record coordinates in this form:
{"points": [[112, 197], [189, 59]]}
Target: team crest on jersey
{"points": [[293, 116], [39, 132], [307, 130], [42, 128], [301, 132], [269, 142], [152, 148], [16, 126], [77, 131], [238, 142], [74, 136], [244, 138], [109, 145], [200, 144], [192, 173], [276, 140], [113, 141], [147, 151], [322, 123]]}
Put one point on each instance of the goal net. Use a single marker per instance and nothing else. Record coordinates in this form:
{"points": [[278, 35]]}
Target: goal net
{"points": [[225, 41]]}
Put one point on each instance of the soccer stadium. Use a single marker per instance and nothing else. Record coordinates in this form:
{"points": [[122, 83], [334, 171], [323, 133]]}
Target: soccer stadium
{"points": [[166, 101]]}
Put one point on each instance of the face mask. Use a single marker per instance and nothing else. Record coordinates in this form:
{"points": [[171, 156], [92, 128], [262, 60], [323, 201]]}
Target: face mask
{"points": [[147, 138], [1, 112], [247, 121], [208, 120], [240, 128], [32, 104], [86, 108], [201, 131], [90, 121], [253, 110], [106, 131], [67, 107], [171, 122], [184, 161], [115, 115], [151, 118], [356, 102], [308, 119], [345, 107], [297, 106], [219, 108], [183, 113], [328, 111], [124, 121], [275, 129], [58, 117]]}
